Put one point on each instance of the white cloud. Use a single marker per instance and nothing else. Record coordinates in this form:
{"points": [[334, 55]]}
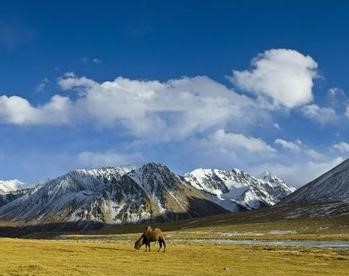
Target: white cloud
{"points": [[19, 111], [70, 81], [108, 158], [285, 76], [341, 147], [169, 110], [224, 149], [288, 145], [172, 110], [233, 142], [297, 147], [322, 115]]}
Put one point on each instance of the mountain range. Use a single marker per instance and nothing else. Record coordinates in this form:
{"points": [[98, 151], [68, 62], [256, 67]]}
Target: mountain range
{"points": [[117, 195], [236, 190]]}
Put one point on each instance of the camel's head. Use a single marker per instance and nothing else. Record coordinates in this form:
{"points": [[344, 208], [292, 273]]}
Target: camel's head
{"points": [[138, 244]]}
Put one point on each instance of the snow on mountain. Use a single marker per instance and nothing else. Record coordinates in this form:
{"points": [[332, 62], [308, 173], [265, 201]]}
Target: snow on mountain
{"points": [[119, 195], [236, 190], [111, 195], [331, 186], [7, 186], [10, 190]]}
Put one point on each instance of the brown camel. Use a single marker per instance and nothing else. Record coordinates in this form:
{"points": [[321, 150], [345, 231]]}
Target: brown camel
{"points": [[151, 235]]}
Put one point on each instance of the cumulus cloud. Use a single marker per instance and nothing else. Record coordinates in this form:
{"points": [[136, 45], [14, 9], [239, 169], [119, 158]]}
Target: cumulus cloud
{"points": [[171, 110], [323, 115], [71, 81], [19, 111], [175, 109], [282, 75]]}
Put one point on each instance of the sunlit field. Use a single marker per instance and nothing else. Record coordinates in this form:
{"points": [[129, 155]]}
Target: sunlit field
{"points": [[50, 257], [109, 250]]}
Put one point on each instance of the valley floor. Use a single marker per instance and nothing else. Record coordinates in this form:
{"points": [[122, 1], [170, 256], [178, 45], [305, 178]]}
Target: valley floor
{"points": [[98, 257]]}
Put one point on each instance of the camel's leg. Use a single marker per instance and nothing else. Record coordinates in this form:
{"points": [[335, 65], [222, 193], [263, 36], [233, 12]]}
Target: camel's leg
{"points": [[160, 243], [149, 247], [164, 245]]}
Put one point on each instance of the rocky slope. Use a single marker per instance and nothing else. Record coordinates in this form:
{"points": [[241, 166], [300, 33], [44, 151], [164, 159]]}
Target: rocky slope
{"points": [[331, 186]]}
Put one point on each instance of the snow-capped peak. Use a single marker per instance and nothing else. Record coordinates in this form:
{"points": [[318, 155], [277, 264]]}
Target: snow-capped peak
{"points": [[7, 186], [105, 171], [235, 189], [266, 175], [151, 175]]}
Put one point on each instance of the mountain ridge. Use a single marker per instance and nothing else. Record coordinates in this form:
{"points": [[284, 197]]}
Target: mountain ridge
{"points": [[247, 192], [120, 195]]}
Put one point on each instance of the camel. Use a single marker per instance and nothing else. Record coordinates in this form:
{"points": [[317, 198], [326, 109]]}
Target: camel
{"points": [[151, 235]]}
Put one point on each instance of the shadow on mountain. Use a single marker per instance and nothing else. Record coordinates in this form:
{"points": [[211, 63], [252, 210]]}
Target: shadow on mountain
{"points": [[196, 208]]}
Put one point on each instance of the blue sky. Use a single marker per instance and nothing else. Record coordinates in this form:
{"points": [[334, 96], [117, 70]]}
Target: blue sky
{"points": [[250, 84]]}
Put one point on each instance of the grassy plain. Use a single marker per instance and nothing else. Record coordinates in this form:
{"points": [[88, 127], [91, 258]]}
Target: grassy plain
{"points": [[109, 250], [52, 257]]}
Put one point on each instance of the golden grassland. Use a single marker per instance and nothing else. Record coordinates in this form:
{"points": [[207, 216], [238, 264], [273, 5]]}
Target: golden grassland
{"points": [[52, 257], [109, 250]]}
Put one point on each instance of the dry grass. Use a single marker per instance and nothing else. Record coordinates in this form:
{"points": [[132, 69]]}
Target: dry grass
{"points": [[47, 257]]}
